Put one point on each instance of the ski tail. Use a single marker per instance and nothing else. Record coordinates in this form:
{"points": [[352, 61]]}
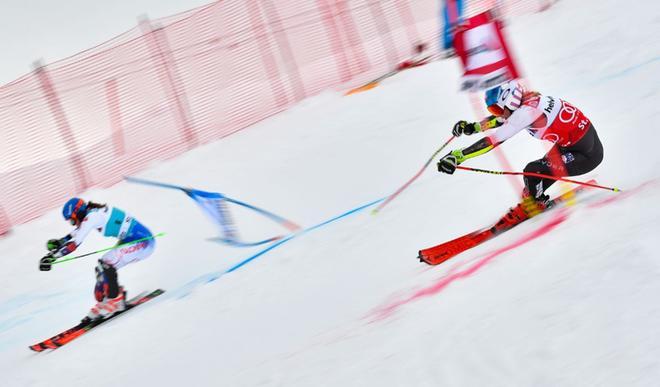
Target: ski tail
{"points": [[50, 343]]}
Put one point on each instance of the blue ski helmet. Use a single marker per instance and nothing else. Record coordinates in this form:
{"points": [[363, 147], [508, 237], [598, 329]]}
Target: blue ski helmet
{"points": [[74, 210]]}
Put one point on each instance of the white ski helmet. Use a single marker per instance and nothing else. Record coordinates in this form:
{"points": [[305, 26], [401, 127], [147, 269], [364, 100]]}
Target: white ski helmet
{"points": [[507, 95]]}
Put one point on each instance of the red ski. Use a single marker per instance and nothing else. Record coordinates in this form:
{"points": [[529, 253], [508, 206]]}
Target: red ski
{"points": [[82, 328], [438, 254]]}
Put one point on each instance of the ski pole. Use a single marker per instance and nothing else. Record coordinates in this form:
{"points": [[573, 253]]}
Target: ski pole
{"points": [[108, 248], [541, 175], [403, 187]]}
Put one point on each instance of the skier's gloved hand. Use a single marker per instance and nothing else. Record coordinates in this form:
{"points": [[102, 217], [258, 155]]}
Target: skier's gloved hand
{"points": [[46, 262], [54, 244], [448, 163], [467, 128]]}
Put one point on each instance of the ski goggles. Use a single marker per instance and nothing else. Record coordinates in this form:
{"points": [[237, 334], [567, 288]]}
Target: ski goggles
{"points": [[74, 214], [495, 110]]}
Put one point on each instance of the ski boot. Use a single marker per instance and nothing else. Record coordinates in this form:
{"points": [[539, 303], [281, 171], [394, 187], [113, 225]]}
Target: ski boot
{"points": [[110, 297], [534, 206], [107, 307], [527, 208]]}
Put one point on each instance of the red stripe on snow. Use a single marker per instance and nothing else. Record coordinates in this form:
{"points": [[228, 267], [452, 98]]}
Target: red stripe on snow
{"points": [[441, 284]]}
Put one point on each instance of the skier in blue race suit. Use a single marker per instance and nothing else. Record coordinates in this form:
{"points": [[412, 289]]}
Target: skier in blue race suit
{"points": [[111, 222]]}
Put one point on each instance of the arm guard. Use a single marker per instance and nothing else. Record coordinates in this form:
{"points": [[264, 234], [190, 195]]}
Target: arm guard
{"points": [[490, 122], [65, 250], [480, 147]]}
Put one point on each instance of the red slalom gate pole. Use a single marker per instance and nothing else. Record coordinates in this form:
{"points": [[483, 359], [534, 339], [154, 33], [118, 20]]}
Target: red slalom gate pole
{"points": [[403, 187], [541, 175]]}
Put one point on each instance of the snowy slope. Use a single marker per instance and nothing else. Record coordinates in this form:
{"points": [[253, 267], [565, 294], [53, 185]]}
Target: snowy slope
{"points": [[566, 299]]}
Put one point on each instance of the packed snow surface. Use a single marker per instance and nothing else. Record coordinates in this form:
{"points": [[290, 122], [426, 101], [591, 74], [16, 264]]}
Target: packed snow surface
{"points": [[569, 298]]}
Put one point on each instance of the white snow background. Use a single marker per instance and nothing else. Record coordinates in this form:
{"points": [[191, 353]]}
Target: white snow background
{"points": [[347, 303]]}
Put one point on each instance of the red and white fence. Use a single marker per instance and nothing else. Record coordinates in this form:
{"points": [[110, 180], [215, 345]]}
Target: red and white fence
{"points": [[172, 84], [507, 8]]}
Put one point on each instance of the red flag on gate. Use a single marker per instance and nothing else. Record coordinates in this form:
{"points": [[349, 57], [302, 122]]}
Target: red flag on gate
{"points": [[479, 43]]}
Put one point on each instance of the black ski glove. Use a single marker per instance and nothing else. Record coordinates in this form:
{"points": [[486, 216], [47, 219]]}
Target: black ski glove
{"points": [[46, 262], [467, 128], [448, 164]]}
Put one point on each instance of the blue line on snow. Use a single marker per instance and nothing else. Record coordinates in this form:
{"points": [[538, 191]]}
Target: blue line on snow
{"points": [[210, 277], [304, 231], [260, 253]]}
